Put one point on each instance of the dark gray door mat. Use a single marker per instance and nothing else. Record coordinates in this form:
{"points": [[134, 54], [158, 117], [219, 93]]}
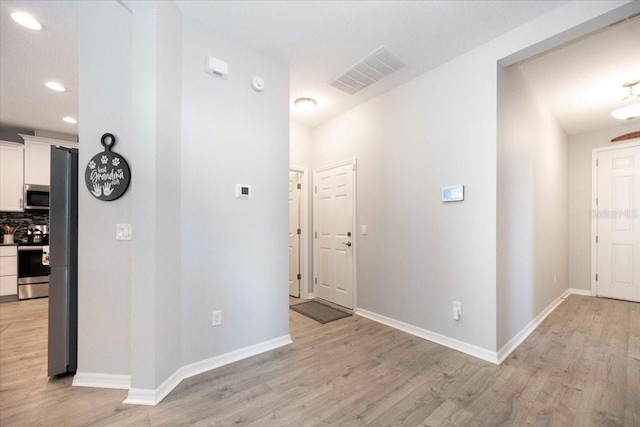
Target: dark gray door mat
{"points": [[318, 311]]}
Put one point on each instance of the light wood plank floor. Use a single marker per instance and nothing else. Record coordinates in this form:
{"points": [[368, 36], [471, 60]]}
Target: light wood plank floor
{"points": [[580, 367]]}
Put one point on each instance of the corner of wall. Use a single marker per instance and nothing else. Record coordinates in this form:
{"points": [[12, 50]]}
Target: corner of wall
{"points": [[104, 291], [533, 194], [151, 397]]}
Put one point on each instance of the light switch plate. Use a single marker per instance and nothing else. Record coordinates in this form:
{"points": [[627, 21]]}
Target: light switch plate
{"points": [[123, 231]]}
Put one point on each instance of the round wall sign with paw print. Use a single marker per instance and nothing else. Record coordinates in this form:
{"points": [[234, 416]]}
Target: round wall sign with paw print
{"points": [[107, 175]]}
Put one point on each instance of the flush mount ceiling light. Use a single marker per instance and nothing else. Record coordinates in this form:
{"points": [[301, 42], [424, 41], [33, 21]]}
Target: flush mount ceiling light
{"points": [[26, 20], [55, 86], [632, 110], [70, 120], [306, 104]]}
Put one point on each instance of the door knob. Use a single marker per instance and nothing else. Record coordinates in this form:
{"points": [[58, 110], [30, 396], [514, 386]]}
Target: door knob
{"points": [[346, 243]]}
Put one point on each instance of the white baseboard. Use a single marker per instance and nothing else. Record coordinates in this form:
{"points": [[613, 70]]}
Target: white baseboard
{"points": [[311, 295], [151, 397], [88, 379], [234, 356], [470, 349], [514, 342], [141, 396], [584, 292]]}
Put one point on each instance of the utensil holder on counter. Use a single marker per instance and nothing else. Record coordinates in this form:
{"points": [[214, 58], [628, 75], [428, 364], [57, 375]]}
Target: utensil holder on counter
{"points": [[8, 238]]}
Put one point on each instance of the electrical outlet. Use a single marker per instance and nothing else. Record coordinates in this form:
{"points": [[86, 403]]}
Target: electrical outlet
{"points": [[123, 231], [216, 318], [457, 310]]}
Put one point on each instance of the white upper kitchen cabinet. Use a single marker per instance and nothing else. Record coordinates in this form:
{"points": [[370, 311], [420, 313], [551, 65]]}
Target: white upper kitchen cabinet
{"points": [[37, 162], [11, 176], [37, 158]]}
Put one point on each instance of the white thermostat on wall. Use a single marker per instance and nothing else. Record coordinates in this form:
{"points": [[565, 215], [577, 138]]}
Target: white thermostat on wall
{"points": [[257, 83], [453, 193], [243, 191]]}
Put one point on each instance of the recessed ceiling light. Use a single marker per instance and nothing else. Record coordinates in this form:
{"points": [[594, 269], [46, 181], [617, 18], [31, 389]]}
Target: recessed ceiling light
{"points": [[70, 120], [305, 104], [26, 20], [55, 86]]}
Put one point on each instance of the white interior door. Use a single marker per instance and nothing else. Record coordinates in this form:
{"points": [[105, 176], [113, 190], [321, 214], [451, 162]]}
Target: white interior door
{"points": [[618, 229], [333, 222], [294, 234]]}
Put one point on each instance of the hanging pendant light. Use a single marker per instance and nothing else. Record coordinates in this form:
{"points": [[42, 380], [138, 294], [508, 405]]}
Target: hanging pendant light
{"points": [[632, 110]]}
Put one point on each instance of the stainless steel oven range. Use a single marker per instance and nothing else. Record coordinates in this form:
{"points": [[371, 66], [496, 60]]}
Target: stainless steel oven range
{"points": [[33, 276]]}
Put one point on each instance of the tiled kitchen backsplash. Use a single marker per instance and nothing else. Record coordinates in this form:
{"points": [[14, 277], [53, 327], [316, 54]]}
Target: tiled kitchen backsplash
{"points": [[24, 218]]}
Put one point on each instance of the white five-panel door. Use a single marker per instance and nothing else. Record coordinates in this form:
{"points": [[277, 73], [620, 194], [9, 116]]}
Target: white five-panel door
{"points": [[333, 224], [294, 234], [618, 224]]}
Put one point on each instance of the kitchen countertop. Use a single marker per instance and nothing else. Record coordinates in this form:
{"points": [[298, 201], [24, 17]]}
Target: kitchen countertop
{"points": [[10, 244]]}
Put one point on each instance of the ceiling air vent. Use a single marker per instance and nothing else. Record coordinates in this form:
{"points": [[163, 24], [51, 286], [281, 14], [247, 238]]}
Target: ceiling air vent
{"points": [[375, 67]]}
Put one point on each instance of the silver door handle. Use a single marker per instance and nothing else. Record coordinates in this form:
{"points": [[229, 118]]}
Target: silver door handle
{"points": [[346, 243]]}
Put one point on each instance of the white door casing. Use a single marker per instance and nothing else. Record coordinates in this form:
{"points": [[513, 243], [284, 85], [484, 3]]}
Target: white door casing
{"points": [[617, 223], [294, 234], [334, 226]]}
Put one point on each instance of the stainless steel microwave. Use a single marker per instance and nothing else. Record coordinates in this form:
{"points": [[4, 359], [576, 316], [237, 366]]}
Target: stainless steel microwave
{"points": [[36, 196]]}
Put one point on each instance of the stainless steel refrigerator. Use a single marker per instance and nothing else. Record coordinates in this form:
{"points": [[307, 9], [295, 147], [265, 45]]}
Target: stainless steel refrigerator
{"points": [[63, 256]]}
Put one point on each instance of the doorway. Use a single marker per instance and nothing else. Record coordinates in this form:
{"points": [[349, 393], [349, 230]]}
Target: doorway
{"points": [[616, 222], [299, 232], [294, 234], [334, 235]]}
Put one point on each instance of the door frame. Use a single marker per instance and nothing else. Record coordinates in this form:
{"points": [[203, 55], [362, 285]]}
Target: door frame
{"points": [[354, 162], [594, 207], [306, 230]]}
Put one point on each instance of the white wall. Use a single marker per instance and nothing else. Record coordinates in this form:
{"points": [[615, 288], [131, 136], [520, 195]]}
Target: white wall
{"points": [[143, 249], [145, 306], [532, 206], [436, 130], [156, 288], [235, 252], [420, 254], [168, 190], [301, 154], [439, 129], [580, 149], [104, 264], [300, 145]]}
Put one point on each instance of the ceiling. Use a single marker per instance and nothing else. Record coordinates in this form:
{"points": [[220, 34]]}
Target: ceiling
{"points": [[321, 39], [29, 58], [581, 83]]}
